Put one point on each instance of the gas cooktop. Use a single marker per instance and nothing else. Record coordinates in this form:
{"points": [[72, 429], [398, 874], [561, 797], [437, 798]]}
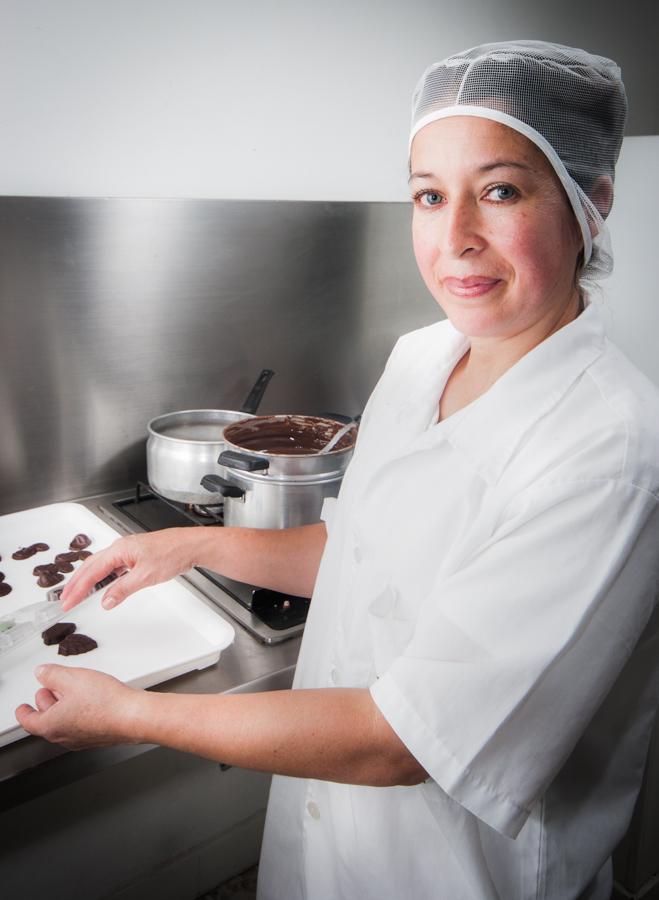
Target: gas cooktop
{"points": [[268, 615]]}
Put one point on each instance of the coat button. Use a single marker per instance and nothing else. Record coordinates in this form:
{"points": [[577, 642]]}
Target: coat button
{"points": [[312, 809]]}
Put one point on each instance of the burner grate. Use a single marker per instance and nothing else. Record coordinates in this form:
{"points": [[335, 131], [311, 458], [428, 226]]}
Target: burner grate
{"points": [[152, 512]]}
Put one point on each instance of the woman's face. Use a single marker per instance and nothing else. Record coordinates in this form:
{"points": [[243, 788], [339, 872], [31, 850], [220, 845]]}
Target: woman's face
{"points": [[495, 238]]}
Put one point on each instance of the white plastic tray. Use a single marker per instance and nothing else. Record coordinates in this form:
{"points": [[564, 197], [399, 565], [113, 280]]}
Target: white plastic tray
{"points": [[156, 634]]}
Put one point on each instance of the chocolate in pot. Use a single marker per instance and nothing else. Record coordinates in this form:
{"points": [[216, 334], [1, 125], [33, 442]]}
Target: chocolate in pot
{"points": [[287, 435]]}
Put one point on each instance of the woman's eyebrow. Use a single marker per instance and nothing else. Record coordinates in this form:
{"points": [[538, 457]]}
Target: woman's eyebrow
{"points": [[419, 175], [505, 164], [488, 167]]}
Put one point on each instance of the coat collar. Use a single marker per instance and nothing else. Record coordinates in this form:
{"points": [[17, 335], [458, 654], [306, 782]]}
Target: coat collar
{"points": [[488, 431]]}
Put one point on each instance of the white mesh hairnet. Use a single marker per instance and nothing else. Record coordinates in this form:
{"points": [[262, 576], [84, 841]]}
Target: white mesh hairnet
{"points": [[570, 103]]}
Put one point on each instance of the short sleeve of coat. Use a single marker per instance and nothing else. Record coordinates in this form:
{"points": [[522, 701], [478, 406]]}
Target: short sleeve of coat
{"points": [[512, 654], [327, 512]]}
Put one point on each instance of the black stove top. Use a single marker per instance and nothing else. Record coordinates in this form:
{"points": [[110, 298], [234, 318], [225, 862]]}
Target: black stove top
{"points": [[152, 512]]}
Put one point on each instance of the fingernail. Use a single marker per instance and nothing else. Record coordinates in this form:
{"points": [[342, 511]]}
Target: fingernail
{"points": [[108, 602], [39, 671]]}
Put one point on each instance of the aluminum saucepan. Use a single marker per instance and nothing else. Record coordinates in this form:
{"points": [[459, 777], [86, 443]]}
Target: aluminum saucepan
{"points": [[275, 476], [184, 446]]}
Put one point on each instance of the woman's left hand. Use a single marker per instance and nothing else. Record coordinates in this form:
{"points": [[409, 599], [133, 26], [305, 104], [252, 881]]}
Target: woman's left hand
{"points": [[81, 708]]}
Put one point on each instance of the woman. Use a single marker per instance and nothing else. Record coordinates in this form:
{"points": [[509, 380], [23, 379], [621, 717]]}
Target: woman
{"points": [[476, 685]]}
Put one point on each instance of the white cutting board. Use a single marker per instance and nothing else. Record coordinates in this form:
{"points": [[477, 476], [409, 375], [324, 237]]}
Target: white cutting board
{"points": [[155, 634]]}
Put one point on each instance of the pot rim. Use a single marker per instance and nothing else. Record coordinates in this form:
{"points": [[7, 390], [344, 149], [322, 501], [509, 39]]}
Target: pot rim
{"points": [[182, 412], [281, 478]]}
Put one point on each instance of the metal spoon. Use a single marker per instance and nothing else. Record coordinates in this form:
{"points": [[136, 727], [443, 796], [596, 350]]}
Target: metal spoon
{"points": [[334, 440]]}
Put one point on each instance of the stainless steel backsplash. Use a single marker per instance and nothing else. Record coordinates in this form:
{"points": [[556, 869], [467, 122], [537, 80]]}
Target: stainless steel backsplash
{"points": [[114, 311]]}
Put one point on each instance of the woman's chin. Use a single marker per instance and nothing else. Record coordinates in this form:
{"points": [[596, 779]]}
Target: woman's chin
{"points": [[476, 323]]}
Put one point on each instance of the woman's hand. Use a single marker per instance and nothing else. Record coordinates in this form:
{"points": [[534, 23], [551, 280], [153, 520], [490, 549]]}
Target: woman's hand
{"points": [[147, 559], [81, 708]]}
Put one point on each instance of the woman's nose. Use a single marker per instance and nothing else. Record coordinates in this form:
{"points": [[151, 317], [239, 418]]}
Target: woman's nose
{"points": [[462, 230]]}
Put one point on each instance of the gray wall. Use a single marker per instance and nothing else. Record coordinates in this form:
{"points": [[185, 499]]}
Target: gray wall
{"points": [[291, 100], [115, 311]]}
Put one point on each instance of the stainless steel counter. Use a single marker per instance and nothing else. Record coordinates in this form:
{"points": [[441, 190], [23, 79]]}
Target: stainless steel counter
{"points": [[32, 766]]}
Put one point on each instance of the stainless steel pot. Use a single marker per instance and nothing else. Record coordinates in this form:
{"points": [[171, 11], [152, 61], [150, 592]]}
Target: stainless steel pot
{"points": [[184, 446], [266, 487]]}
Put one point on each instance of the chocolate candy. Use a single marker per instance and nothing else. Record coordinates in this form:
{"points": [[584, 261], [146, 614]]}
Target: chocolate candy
{"points": [[44, 567], [5, 589], [57, 632], [73, 644], [24, 552], [49, 579], [65, 567], [2, 576], [80, 541], [27, 552], [69, 556], [83, 554]]}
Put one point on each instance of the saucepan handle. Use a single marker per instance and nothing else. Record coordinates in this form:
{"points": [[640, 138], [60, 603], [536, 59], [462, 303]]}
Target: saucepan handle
{"points": [[255, 396], [234, 460], [219, 485]]}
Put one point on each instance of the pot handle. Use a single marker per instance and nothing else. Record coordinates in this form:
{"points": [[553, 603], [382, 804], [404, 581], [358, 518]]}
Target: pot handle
{"points": [[255, 396], [219, 485], [234, 460], [340, 417]]}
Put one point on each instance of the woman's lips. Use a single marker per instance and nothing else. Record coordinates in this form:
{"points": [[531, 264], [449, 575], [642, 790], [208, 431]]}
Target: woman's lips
{"points": [[474, 286]]}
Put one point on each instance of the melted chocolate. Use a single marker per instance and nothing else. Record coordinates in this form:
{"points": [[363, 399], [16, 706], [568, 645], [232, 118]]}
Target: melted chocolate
{"points": [[80, 541], [5, 589], [73, 644], [287, 435], [57, 632]]}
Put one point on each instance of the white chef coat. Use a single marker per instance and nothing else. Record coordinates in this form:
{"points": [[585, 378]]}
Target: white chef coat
{"points": [[491, 579]]}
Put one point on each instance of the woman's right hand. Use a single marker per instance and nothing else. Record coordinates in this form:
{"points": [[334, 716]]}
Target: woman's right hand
{"points": [[145, 559]]}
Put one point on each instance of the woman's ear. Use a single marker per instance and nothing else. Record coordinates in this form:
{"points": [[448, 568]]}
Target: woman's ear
{"points": [[601, 194]]}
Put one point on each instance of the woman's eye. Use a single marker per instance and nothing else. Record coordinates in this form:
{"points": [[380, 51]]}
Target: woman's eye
{"points": [[428, 198], [502, 192]]}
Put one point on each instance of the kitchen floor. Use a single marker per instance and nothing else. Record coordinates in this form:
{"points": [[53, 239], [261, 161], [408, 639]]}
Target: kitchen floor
{"points": [[242, 887]]}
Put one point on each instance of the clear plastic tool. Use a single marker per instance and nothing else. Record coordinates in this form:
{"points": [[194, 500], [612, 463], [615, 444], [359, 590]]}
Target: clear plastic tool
{"points": [[28, 622]]}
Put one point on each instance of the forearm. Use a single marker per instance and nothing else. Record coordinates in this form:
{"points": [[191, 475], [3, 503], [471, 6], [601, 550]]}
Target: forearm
{"points": [[284, 560], [330, 734]]}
